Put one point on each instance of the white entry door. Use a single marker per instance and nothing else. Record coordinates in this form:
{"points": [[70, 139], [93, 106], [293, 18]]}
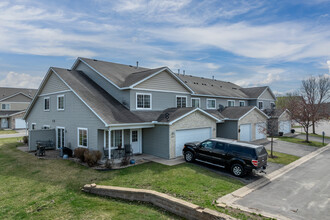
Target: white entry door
{"points": [[190, 135], [136, 141], [245, 132], [60, 137], [4, 123], [260, 130]]}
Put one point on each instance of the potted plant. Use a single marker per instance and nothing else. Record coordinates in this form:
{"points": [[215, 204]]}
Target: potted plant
{"points": [[280, 133], [293, 131]]}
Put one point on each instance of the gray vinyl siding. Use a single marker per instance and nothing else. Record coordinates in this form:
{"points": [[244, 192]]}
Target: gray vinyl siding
{"points": [[18, 98], [229, 129], [267, 95], [219, 101], [267, 104], [15, 106], [41, 135], [121, 95], [76, 114], [155, 141], [54, 84], [160, 100]]}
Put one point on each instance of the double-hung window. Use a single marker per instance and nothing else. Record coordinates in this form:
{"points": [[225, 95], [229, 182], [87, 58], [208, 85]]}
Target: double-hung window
{"points": [[210, 104], [33, 126], [230, 103], [46, 104], [241, 103], [82, 137], [60, 102], [181, 101], [261, 105], [5, 106], [195, 102], [143, 101]]}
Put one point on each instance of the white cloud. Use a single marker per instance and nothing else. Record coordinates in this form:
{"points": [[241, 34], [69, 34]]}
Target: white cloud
{"points": [[21, 80], [328, 62]]}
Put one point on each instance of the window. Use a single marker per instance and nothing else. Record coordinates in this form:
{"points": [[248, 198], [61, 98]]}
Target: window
{"points": [[143, 101], [181, 101], [220, 146], [134, 136], [241, 103], [210, 103], [230, 103], [82, 137], [208, 144], [33, 126], [60, 102], [46, 127], [5, 106], [261, 105], [116, 138], [272, 105], [106, 139], [46, 104], [195, 102]]}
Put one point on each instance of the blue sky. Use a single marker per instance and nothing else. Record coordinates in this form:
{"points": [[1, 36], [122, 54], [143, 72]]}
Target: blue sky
{"points": [[251, 43]]}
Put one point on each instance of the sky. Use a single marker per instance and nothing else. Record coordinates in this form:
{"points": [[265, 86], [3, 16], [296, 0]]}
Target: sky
{"points": [[251, 43]]}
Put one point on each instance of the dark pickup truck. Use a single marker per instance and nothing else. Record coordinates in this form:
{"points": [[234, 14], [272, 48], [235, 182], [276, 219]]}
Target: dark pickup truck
{"points": [[241, 158]]}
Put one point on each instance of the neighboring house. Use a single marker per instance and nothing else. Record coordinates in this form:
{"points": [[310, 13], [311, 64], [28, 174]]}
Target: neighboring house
{"points": [[13, 103], [279, 120], [102, 105]]}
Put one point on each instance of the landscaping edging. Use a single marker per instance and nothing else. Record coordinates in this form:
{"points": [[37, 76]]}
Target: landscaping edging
{"points": [[169, 203]]}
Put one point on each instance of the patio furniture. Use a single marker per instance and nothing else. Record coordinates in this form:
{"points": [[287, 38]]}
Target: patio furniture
{"points": [[42, 146], [118, 153], [128, 150]]}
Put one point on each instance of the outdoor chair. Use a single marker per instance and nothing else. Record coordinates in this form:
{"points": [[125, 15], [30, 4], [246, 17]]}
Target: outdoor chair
{"points": [[128, 150]]}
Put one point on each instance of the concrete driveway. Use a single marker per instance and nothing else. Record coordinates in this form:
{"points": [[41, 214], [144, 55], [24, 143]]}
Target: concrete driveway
{"points": [[291, 148], [301, 193]]}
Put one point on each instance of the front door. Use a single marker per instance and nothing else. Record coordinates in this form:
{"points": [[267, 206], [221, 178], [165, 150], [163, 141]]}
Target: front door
{"points": [[136, 141], [4, 123], [60, 133]]}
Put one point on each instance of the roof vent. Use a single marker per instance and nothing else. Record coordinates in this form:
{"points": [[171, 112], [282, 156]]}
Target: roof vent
{"points": [[213, 77], [183, 72], [234, 88], [94, 60], [130, 65], [68, 69], [178, 71], [202, 77], [137, 64]]}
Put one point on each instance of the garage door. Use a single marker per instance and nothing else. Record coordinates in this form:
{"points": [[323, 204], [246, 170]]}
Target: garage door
{"points": [[19, 123], [260, 131], [285, 126], [245, 132], [189, 135]]}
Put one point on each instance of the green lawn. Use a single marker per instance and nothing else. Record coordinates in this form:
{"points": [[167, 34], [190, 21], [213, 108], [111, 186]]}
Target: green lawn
{"points": [[51, 189], [282, 158], [7, 132], [316, 135], [301, 141], [297, 126]]}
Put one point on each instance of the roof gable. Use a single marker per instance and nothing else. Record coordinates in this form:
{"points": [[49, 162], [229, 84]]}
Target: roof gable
{"points": [[6, 92], [18, 97], [239, 112]]}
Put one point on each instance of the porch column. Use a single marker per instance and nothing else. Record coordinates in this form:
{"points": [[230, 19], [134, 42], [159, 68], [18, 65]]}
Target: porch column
{"points": [[122, 138], [109, 148]]}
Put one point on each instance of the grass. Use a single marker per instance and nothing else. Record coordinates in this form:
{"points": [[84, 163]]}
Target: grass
{"points": [[300, 141], [282, 158], [32, 188], [297, 126], [317, 135], [7, 132]]}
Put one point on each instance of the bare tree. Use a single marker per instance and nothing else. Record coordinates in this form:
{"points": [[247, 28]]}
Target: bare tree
{"points": [[316, 91]]}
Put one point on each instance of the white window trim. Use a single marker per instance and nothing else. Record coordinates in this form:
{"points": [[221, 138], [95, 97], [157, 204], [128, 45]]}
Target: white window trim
{"points": [[59, 127], [215, 103], [262, 105], [58, 109], [240, 101], [230, 101], [46, 126], [199, 102], [84, 129], [35, 125], [113, 140], [4, 103], [47, 110], [180, 96], [136, 101]]}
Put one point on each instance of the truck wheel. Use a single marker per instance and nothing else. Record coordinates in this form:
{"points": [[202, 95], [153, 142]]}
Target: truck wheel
{"points": [[189, 156], [237, 170]]}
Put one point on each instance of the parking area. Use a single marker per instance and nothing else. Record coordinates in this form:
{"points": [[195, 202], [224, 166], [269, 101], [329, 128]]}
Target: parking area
{"points": [[291, 148], [302, 193]]}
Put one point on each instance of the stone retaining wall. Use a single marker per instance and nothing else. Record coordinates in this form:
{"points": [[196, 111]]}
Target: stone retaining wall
{"points": [[169, 203]]}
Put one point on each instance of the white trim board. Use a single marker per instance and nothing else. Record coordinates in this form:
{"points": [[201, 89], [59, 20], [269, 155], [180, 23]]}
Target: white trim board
{"points": [[255, 107], [16, 95]]}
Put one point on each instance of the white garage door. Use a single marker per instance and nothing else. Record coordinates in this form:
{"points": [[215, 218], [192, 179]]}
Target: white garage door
{"points": [[19, 123], [189, 135], [285, 127], [245, 132], [260, 131]]}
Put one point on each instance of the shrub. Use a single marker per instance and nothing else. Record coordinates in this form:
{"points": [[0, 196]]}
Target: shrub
{"points": [[125, 160], [92, 157], [109, 163], [80, 153], [26, 139]]}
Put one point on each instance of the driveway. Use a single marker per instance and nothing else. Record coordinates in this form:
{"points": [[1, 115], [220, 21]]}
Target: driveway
{"points": [[291, 148], [302, 193], [20, 133]]}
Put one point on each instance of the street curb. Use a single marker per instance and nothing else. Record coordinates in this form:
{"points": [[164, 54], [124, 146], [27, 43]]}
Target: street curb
{"points": [[230, 199]]}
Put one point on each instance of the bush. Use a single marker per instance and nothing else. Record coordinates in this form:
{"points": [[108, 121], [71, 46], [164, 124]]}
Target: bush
{"points": [[109, 163], [92, 157], [80, 153], [125, 160], [26, 139]]}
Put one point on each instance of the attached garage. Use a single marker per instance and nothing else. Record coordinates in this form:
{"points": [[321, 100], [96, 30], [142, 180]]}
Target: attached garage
{"points": [[246, 123], [189, 135], [279, 121], [284, 126], [20, 123]]}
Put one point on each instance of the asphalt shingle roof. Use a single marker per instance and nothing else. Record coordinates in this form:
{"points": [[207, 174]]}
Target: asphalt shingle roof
{"points": [[254, 92], [8, 113], [236, 112], [9, 91], [212, 87]]}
